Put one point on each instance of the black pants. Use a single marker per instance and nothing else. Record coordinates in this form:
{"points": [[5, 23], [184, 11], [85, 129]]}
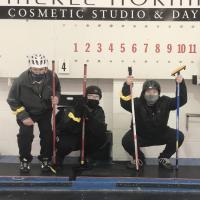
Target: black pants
{"points": [[25, 137], [168, 138], [72, 142], [66, 143]]}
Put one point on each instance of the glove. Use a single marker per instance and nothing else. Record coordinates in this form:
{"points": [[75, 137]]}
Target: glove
{"points": [[87, 112], [83, 108]]}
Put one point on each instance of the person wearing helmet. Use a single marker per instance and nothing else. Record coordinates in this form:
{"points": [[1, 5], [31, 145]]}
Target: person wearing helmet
{"points": [[151, 115], [69, 128], [30, 97]]}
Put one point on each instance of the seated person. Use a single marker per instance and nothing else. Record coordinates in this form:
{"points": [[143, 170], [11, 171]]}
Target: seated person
{"points": [[151, 115], [69, 128]]}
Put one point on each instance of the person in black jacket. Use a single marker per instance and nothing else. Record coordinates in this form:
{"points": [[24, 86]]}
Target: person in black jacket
{"points": [[151, 115], [30, 98], [69, 127]]}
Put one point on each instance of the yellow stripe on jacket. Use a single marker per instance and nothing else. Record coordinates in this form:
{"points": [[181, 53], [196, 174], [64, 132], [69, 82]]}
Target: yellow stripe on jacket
{"points": [[76, 119], [19, 110], [125, 98]]}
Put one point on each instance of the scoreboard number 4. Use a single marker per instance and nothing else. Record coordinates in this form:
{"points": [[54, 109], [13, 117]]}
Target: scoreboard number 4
{"points": [[63, 67]]}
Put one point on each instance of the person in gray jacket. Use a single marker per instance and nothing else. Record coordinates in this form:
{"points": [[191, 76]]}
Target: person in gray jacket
{"points": [[30, 97]]}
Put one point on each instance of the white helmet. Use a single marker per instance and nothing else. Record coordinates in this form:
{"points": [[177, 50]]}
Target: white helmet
{"points": [[38, 61]]}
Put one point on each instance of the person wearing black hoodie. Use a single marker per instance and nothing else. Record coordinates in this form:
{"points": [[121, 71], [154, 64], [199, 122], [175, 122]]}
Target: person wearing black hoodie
{"points": [[69, 129], [151, 115], [98, 140], [30, 97]]}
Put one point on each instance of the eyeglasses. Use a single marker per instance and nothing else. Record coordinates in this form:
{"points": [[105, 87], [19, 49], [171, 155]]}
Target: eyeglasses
{"points": [[93, 96]]}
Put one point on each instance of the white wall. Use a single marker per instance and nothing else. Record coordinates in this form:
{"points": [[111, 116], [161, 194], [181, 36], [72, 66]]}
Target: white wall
{"points": [[55, 39], [118, 119]]}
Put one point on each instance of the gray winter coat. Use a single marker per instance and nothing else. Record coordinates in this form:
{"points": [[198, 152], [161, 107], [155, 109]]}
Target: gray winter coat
{"points": [[27, 98]]}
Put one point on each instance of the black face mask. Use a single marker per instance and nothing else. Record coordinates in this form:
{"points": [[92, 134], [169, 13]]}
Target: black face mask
{"points": [[92, 103], [38, 77]]}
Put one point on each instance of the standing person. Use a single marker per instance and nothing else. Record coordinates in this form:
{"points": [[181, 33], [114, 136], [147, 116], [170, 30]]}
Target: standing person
{"points": [[30, 97], [69, 128], [151, 114]]}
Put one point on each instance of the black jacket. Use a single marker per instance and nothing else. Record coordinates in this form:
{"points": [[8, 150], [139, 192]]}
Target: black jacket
{"points": [[26, 98], [69, 121], [152, 120]]}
